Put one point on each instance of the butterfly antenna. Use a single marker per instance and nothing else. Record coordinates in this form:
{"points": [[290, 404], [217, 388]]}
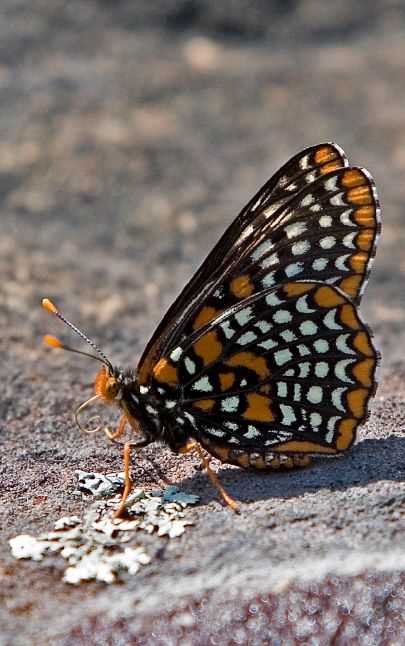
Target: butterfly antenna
{"points": [[55, 343]]}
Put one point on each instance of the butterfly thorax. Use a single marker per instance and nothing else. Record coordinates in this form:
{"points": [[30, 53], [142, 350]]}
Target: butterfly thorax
{"points": [[148, 407]]}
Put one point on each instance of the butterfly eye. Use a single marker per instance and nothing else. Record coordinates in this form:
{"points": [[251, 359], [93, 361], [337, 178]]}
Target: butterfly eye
{"points": [[111, 388]]}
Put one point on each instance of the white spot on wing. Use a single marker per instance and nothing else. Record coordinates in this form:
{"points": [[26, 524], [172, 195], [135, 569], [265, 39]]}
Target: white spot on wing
{"points": [[348, 240], [315, 419], [330, 184], [325, 221], [328, 242], [308, 328], [282, 316], [268, 344], [190, 366], [337, 394], [262, 250], [302, 305], [247, 337], [321, 345], [295, 229], [307, 200], [345, 218], [340, 262], [263, 326], [337, 200], [143, 390], [273, 300], [300, 247], [289, 416], [230, 404], [340, 370], [251, 432], [244, 316], [341, 344], [282, 356], [281, 389], [304, 367], [269, 279], [288, 336], [202, 384], [330, 320], [319, 264], [227, 330], [270, 261], [176, 354], [315, 394], [294, 269], [321, 369]]}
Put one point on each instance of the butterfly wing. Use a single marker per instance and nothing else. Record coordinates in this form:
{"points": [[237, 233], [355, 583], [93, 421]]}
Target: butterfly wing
{"points": [[316, 219], [290, 369], [300, 171]]}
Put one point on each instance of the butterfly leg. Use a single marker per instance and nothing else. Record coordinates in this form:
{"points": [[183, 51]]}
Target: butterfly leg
{"points": [[112, 435], [128, 446], [194, 446]]}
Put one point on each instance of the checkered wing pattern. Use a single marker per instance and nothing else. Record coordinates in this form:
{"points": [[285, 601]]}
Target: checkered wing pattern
{"points": [[290, 369], [242, 237]]}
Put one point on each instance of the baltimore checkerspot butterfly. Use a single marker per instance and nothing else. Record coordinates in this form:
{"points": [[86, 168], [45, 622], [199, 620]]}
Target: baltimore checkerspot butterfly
{"points": [[263, 360]]}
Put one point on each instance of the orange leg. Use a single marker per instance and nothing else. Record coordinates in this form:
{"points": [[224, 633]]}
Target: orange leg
{"points": [[121, 428], [128, 482], [194, 446]]}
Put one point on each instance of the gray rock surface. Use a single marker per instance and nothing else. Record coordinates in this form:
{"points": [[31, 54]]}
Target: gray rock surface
{"points": [[131, 135]]}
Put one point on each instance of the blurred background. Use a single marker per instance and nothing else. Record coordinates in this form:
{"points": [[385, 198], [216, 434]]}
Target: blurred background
{"points": [[132, 133]]}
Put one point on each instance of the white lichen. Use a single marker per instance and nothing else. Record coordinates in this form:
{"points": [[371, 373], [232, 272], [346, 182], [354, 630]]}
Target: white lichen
{"points": [[94, 546]]}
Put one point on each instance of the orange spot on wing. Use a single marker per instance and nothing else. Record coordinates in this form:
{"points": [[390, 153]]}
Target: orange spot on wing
{"points": [[365, 216], [357, 400], [363, 371], [352, 178], [258, 408], [205, 315], [296, 446], [360, 195], [364, 239], [165, 372], [351, 285], [331, 166], [358, 262], [362, 343], [226, 379], [348, 316], [328, 297], [241, 286], [204, 404], [346, 431], [251, 361], [208, 347], [325, 154], [296, 289]]}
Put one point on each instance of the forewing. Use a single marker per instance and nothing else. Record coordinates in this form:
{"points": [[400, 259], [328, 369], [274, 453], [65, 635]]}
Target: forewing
{"points": [[300, 171], [291, 369]]}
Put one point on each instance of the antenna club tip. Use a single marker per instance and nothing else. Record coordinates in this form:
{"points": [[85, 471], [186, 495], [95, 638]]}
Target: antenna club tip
{"points": [[52, 341], [49, 306]]}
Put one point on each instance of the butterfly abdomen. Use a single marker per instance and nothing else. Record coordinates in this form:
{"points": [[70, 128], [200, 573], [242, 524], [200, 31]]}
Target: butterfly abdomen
{"points": [[253, 459]]}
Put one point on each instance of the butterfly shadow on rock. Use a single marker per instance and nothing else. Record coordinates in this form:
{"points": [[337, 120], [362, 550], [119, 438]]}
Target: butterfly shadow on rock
{"points": [[372, 460]]}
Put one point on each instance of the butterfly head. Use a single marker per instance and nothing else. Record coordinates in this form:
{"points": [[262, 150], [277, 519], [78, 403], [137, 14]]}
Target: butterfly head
{"points": [[110, 382]]}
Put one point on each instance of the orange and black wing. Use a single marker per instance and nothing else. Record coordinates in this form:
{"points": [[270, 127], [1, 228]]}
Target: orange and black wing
{"points": [[300, 171], [316, 219], [289, 370]]}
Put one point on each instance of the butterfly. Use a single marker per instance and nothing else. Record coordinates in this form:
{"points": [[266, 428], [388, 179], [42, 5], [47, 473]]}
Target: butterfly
{"points": [[263, 360]]}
